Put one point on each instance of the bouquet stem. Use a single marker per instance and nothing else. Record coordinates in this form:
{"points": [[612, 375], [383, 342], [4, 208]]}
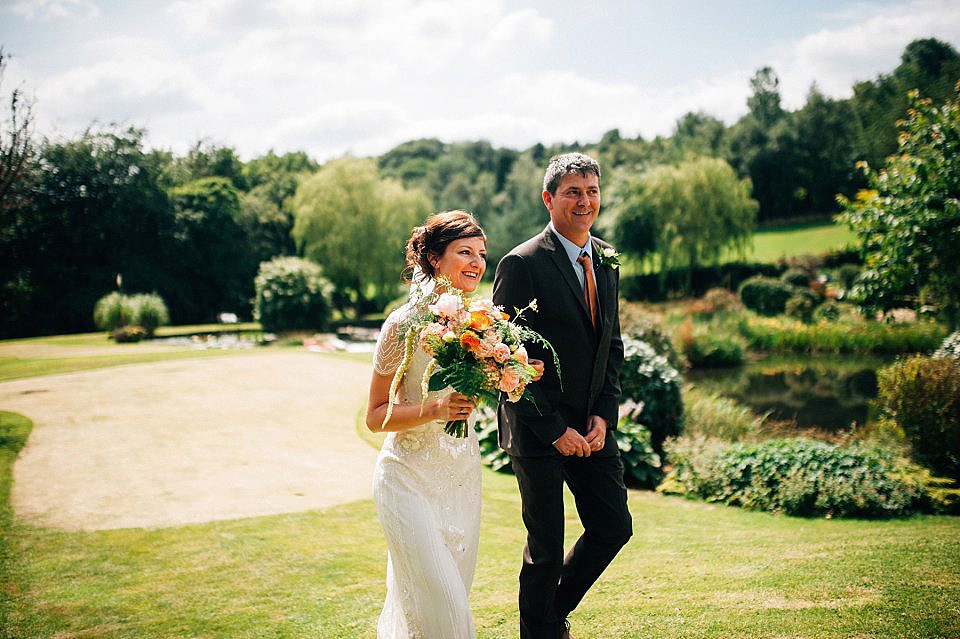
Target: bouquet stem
{"points": [[456, 428]]}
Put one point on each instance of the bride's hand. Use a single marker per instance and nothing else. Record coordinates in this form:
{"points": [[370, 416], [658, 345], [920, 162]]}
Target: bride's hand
{"points": [[538, 366], [454, 406]]}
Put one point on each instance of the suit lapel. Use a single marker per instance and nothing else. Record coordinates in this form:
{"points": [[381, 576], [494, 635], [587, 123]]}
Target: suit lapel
{"points": [[562, 262], [605, 287]]}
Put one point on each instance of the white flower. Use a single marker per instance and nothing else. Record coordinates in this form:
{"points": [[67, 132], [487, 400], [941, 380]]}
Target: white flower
{"points": [[448, 305]]}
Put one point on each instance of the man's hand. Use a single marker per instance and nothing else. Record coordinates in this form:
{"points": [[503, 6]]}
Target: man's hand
{"points": [[596, 432], [537, 366], [572, 443]]}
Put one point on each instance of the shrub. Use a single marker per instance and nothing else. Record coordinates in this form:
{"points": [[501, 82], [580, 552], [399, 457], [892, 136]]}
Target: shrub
{"points": [[765, 295], [113, 311], [922, 396], [712, 415], [847, 275], [796, 277], [832, 311], [642, 467], [950, 346], [723, 300], [648, 328], [292, 294], [149, 312], [780, 334], [648, 380], [710, 349], [796, 476], [801, 306], [129, 333]]}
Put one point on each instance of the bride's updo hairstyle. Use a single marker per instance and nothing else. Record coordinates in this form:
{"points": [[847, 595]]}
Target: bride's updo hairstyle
{"points": [[431, 239]]}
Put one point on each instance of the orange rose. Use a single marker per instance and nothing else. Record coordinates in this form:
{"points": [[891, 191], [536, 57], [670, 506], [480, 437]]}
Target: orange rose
{"points": [[480, 321], [470, 340]]}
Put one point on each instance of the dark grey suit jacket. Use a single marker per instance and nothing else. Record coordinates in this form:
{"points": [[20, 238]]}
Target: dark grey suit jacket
{"points": [[589, 380]]}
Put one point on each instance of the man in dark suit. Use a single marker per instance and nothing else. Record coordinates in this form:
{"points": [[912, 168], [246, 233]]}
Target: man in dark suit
{"points": [[566, 436]]}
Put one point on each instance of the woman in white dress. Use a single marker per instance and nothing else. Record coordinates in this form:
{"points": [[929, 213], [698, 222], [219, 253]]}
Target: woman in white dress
{"points": [[426, 483]]}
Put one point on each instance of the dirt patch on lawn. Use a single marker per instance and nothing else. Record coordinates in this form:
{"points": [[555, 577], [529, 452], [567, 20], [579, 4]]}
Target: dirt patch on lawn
{"points": [[184, 441]]}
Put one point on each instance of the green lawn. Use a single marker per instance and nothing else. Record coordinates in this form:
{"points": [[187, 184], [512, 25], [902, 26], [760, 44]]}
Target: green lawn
{"points": [[769, 245], [691, 570]]}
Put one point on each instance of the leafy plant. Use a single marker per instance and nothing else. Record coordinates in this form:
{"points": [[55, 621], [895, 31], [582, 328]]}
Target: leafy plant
{"points": [[648, 380], [922, 396], [715, 416], [765, 295], [795, 476], [642, 467], [709, 349], [291, 294], [113, 311], [909, 219], [149, 311]]}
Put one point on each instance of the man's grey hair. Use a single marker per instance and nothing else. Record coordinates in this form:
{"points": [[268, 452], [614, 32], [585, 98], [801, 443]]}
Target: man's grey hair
{"points": [[565, 164]]}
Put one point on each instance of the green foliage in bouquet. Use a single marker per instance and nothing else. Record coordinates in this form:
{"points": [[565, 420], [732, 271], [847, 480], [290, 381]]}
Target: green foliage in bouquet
{"points": [[476, 350]]}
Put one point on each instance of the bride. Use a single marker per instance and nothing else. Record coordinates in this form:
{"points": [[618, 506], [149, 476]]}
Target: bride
{"points": [[426, 483]]}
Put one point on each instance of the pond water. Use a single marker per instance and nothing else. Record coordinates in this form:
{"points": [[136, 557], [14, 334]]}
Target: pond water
{"points": [[814, 391]]}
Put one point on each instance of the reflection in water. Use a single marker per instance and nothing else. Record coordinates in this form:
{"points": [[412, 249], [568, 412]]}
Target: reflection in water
{"points": [[815, 392]]}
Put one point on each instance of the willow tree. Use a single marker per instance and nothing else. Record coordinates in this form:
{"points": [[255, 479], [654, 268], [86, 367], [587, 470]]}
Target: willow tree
{"points": [[354, 223], [690, 214]]}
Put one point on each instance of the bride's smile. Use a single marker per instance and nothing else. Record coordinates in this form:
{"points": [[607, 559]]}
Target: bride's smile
{"points": [[463, 262]]}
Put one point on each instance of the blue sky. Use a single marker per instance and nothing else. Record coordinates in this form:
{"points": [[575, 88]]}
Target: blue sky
{"points": [[359, 76]]}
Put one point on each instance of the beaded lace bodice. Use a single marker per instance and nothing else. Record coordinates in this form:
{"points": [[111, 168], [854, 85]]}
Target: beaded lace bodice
{"points": [[427, 492]]}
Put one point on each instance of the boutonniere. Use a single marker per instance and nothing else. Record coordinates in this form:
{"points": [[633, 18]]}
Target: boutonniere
{"points": [[608, 257]]}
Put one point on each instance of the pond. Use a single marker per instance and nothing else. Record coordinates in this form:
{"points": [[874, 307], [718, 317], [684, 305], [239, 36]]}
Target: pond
{"points": [[829, 392]]}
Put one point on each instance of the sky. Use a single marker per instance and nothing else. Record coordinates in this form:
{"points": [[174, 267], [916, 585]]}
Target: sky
{"points": [[335, 77]]}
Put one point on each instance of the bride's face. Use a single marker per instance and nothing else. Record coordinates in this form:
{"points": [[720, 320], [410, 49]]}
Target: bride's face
{"points": [[463, 262]]}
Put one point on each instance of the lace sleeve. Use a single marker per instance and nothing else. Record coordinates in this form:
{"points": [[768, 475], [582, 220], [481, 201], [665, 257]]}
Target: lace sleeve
{"points": [[389, 353]]}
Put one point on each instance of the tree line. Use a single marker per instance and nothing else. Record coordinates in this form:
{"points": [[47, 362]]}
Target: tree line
{"points": [[78, 213]]}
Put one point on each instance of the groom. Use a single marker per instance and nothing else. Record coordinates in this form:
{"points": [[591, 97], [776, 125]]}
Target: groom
{"points": [[567, 436]]}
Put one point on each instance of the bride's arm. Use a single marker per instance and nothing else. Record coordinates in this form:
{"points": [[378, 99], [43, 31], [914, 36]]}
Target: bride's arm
{"points": [[404, 416]]}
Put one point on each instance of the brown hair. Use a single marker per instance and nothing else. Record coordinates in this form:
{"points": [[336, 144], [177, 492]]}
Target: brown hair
{"points": [[432, 239]]}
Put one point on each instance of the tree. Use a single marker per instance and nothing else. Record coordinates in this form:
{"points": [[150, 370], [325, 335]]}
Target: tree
{"points": [[928, 65], [764, 146], [354, 224], [94, 209], [16, 146], [825, 145], [519, 210], [909, 223], [215, 267], [697, 209]]}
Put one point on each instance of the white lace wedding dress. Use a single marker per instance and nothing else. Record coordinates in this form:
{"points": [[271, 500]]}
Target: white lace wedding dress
{"points": [[426, 487]]}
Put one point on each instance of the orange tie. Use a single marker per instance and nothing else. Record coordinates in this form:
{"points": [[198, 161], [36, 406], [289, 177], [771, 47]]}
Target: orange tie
{"points": [[589, 288]]}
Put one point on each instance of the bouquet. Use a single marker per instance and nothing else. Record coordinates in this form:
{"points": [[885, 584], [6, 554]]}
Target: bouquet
{"points": [[476, 350]]}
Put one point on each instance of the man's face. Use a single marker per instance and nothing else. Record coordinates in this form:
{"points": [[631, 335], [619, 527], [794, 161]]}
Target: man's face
{"points": [[575, 206]]}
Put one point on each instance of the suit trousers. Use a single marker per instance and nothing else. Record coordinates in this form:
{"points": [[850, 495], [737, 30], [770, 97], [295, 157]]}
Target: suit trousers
{"points": [[552, 585]]}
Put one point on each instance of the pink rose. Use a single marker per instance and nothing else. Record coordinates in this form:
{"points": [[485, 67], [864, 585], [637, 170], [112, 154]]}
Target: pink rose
{"points": [[509, 380], [520, 354], [481, 304], [501, 352]]}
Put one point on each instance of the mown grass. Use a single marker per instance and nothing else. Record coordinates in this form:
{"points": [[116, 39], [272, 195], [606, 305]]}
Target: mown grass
{"points": [[772, 244], [691, 570]]}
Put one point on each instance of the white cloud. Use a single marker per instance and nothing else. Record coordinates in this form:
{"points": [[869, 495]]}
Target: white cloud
{"points": [[134, 88], [55, 9], [837, 58]]}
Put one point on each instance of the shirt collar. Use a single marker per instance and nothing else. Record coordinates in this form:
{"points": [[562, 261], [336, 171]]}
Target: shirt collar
{"points": [[573, 251]]}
